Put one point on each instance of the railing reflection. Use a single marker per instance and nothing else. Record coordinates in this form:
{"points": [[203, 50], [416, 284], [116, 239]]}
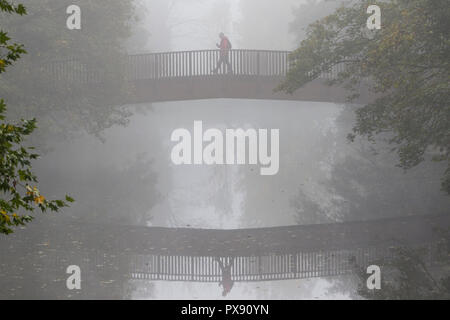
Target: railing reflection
{"points": [[110, 256], [266, 267]]}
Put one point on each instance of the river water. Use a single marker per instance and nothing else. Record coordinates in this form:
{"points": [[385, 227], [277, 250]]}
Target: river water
{"points": [[217, 196], [127, 178], [202, 196]]}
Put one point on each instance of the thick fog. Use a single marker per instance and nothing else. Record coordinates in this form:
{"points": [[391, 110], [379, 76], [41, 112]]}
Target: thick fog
{"points": [[114, 157], [250, 24]]}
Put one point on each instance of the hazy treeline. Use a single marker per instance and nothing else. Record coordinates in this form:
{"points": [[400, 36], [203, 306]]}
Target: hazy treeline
{"points": [[66, 107]]}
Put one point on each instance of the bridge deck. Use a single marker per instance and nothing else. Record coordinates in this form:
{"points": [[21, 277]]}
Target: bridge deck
{"points": [[187, 75]]}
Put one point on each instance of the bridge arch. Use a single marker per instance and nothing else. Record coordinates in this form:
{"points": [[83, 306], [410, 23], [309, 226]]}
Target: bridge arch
{"points": [[188, 75]]}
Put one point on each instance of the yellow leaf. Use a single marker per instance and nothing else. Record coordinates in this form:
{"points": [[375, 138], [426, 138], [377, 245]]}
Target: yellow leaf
{"points": [[39, 200], [6, 217]]}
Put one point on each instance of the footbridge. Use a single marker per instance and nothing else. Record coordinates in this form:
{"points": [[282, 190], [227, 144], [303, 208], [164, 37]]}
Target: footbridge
{"points": [[189, 75]]}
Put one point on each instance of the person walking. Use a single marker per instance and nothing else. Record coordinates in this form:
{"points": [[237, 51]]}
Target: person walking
{"points": [[226, 283], [224, 55]]}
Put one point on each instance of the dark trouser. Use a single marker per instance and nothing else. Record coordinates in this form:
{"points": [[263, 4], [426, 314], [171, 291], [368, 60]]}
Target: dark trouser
{"points": [[223, 59]]}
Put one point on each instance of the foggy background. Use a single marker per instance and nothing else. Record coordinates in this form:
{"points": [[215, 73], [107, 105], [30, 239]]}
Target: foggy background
{"points": [[121, 172]]}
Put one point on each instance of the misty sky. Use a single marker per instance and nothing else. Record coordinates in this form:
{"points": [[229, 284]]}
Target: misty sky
{"points": [[195, 24]]}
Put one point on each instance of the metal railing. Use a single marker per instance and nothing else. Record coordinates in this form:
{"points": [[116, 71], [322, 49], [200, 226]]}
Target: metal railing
{"points": [[203, 62], [185, 64]]}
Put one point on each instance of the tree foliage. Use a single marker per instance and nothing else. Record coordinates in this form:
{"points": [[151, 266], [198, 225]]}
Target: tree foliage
{"points": [[309, 11], [66, 106], [9, 52], [407, 65], [409, 274], [18, 189]]}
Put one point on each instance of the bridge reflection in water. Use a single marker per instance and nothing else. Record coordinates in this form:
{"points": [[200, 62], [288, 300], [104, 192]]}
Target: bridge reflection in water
{"points": [[109, 256], [285, 252]]}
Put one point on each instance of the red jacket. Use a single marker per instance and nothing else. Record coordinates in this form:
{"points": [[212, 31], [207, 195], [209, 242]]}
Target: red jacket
{"points": [[224, 46]]}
